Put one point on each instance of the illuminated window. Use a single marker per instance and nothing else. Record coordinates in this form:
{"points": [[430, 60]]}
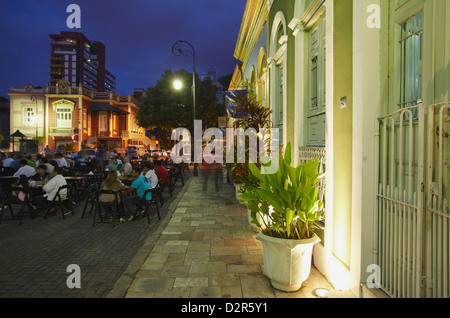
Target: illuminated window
{"points": [[103, 122], [29, 119], [63, 117]]}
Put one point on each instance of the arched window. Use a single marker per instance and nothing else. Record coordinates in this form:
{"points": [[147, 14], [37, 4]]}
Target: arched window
{"points": [[63, 113], [262, 73], [277, 68], [317, 84]]}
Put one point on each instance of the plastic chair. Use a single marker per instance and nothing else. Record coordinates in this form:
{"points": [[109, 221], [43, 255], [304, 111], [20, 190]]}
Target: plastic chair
{"points": [[14, 200], [113, 207], [91, 198], [59, 203], [147, 203]]}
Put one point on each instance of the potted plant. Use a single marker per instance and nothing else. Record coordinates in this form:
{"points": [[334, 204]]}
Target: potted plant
{"points": [[285, 206], [248, 113]]}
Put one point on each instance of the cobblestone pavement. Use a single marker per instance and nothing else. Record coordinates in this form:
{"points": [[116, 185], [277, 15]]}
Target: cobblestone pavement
{"points": [[209, 250], [34, 256]]}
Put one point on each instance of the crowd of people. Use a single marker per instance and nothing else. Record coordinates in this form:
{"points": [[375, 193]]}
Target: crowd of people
{"points": [[130, 179]]}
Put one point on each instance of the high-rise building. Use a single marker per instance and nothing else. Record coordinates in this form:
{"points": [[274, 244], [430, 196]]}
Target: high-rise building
{"points": [[80, 61]]}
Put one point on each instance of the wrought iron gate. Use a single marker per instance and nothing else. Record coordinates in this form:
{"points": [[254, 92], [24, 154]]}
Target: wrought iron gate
{"points": [[412, 201]]}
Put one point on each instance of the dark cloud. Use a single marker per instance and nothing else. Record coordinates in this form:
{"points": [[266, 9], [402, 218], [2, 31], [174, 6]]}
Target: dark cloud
{"points": [[138, 35]]}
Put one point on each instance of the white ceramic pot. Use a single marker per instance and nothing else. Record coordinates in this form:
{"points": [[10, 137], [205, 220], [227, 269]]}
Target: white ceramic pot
{"points": [[287, 263]]}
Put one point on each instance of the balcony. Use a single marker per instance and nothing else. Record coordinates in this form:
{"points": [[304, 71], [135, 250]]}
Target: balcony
{"points": [[61, 132]]}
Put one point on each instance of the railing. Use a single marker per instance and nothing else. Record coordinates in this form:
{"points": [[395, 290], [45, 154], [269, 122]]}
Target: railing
{"points": [[438, 196], [399, 198], [412, 202], [61, 132], [77, 91], [306, 154]]}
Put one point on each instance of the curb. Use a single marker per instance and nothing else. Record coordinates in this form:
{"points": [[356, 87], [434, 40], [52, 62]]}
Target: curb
{"points": [[124, 282]]}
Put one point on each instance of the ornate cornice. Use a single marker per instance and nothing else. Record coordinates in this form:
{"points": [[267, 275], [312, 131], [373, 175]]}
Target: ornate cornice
{"points": [[253, 21], [312, 13]]}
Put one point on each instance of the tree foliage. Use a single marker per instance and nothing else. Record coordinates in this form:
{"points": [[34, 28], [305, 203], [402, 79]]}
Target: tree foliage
{"points": [[164, 108]]}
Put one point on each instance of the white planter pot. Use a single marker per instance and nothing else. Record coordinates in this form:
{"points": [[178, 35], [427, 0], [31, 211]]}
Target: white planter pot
{"points": [[287, 263]]}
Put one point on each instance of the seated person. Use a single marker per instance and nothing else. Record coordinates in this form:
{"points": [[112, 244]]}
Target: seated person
{"points": [[110, 183], [7, 161], [50, 167], [41, 176], [161, 172], [150, 174], [50, 189], [25, 170], [140, 184], [59, 158], [30, 161], [127, 167], [17, 196], [113, 165]]}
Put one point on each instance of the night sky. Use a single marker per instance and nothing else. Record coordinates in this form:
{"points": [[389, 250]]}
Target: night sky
{"points": [[138, 35]]}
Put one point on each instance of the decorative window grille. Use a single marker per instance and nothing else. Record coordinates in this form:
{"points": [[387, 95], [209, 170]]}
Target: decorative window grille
{"points": [[411, 72]]}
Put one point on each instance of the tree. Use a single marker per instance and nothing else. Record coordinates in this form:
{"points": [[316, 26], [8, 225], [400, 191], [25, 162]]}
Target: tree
{"points": [[225, 81], [164, 108], [209, 109]]}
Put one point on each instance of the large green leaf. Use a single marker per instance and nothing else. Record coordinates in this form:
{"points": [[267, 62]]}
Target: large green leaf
{"points": [[287, 154], [256, 172], [289, 217], [270, 198]]}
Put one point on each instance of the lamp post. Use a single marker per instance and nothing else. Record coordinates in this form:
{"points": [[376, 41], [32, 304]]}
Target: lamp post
{"points": [[178, 51], [34, 99]]}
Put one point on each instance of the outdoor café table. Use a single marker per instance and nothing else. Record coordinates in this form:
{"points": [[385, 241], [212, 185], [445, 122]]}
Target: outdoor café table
{"points": [[127, 181], [95, 177], [74, 184], [36, 188]]}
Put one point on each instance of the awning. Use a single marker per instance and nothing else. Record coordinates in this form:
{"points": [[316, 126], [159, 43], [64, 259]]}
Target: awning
{"points": [[107, 108], [18, 134]]}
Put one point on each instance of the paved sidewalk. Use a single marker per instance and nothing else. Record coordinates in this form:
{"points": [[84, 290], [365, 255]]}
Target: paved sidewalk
{"points": [[207, 249], [34, 256]]}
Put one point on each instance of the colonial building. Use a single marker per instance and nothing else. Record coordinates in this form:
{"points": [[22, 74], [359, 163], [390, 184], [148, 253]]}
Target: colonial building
{"points": [[64, 114], [364, 85]]}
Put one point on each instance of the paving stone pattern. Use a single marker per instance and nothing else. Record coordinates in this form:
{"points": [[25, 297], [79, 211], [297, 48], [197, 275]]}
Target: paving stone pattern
{"points": [[209, 250], [203, 247], [34, 255]]}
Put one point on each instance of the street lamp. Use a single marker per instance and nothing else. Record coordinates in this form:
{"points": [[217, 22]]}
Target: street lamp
{"points": [[178, 51], [177, 84], [35, 118]]}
